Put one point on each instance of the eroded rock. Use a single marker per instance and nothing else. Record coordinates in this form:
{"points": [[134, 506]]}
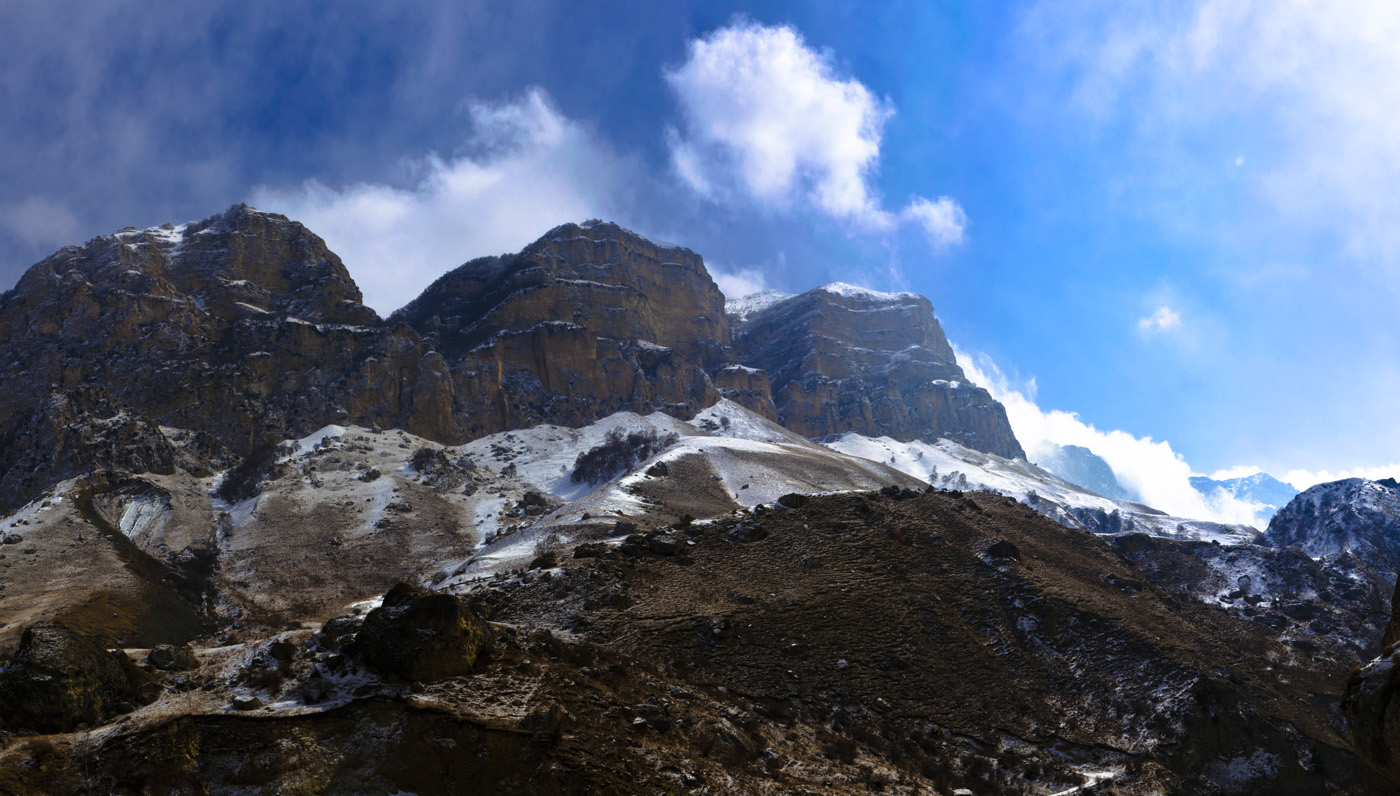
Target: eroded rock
{"points": [[58, 680], [422, 635]]}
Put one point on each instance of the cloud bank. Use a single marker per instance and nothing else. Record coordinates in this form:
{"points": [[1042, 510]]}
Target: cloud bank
{"points": [[1152, 469], [770, 119], [529, 168]]}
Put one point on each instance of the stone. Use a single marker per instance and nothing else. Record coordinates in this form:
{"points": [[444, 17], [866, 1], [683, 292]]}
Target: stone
{"points": [[170, 657], [721, 739], [793, 500], [246, 702], [58, 679], [421, 635], [664, 544], [1004, 550], [590, 550]]}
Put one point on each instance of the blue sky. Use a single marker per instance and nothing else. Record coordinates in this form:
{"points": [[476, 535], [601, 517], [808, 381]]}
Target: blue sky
{"points": [[1174, 220]]}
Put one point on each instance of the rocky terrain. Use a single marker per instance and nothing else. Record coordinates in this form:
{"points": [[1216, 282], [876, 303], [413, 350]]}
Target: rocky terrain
{"points": [[974, 645], [570, 522], [1352, 516]]}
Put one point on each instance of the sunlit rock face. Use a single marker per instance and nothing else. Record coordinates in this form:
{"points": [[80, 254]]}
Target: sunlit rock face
{"points": [[842, 359]]}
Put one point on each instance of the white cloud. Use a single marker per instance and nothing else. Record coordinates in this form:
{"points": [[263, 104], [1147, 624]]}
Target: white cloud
{"points": [[768, 117], [943, 221], [736, 284], [1164, 319], [40, 223], [1238, 471], [531, 168], [1152, 469], [1302, 479]]}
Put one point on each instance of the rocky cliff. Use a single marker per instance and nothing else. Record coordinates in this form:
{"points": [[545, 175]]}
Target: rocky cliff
{"points": [[589, 320], [842, 358]]}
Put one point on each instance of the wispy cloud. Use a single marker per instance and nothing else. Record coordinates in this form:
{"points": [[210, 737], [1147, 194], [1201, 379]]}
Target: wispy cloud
{"points": [[1150, 468], [40, 222], [532, 168], [1163, 319], [770, 119], [1315, 84], [738, 283]]}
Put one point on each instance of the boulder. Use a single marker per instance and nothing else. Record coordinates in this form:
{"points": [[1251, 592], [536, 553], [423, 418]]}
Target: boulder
{"points": [[169, 657], [58, 679], [422, 635]]}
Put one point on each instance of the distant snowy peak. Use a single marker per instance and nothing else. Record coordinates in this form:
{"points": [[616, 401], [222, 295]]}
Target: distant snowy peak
{"points": [[1353, 515], [1261, 488]]}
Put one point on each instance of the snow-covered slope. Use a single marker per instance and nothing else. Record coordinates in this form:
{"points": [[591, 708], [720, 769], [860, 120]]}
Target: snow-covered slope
{"points": [[725, 458], [948, 465], [739, 309]]}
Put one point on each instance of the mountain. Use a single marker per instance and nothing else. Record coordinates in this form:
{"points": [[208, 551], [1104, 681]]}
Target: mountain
{"points": [[244, 329], [1353, 516], [842, 358], [1079, 465], [571, 522], [1270, 493]]}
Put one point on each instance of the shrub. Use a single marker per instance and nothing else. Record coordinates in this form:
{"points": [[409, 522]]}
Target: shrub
{"points": [[618, 453], [246, 478], [423, 459]]}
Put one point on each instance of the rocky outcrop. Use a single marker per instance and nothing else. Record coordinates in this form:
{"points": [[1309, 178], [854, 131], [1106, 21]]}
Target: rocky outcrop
{"points": [[58, 679], [1354, 516], [1370, 706], [842, 358], [242, 327], [421, 635]]}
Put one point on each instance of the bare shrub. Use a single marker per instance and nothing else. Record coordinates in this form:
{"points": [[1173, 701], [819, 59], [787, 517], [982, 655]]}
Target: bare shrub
{"points": [[246, 478], [618, 453]]}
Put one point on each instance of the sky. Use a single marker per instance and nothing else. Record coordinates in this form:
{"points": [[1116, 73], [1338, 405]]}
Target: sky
{"points": [[1164, 229]]}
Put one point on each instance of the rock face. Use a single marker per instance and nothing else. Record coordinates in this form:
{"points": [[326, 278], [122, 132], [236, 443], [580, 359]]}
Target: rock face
{"points": [[241, 327], [1353, 516], [58, 679], [1370, 707], [421, 635], [244, 328], [589, 320], [842, 358]]}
